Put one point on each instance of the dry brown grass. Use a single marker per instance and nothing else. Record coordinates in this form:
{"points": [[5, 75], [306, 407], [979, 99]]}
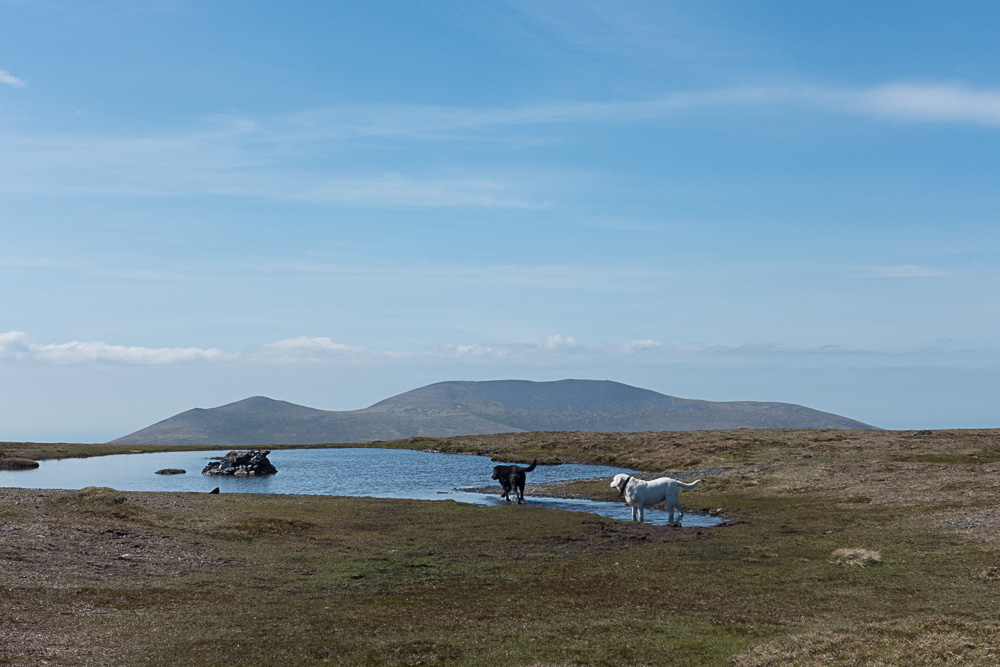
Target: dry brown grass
{"points": [[857, 556], [931, 640]]}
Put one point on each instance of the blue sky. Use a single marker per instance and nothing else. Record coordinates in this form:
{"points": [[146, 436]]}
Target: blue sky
{"points": [[333, 203]]}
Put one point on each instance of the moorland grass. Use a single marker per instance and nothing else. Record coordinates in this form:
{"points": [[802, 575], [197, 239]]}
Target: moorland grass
{"points": [[103, 577]]}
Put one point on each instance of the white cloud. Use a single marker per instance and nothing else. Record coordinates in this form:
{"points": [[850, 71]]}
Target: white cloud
{"points": [[9, 79], [16, 346], [557, 341], [304, 348], [19, 347], [475, 351]]}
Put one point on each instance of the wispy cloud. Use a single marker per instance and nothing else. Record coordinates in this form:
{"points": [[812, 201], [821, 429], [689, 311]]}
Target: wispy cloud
{"points": [[10, 80], [910, 102], [396, 190], [944, 103], [289, 156], [258, 164], [904, 271], [927, 102]]}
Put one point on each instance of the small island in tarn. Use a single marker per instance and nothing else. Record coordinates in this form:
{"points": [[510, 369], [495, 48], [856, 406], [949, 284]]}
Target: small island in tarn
{"points": [[17, 463], [252, 462]]}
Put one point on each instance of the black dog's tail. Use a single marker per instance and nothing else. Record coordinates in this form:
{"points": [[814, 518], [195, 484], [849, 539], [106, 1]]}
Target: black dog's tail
{"points": [[532, 466]]}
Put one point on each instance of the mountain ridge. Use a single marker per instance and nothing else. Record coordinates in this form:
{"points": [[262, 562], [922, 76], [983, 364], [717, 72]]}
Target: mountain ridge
{"points": [[454, 408]]}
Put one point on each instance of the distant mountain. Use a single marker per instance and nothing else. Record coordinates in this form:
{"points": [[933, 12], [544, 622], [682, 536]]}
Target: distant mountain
{"points": [[476, 408]]}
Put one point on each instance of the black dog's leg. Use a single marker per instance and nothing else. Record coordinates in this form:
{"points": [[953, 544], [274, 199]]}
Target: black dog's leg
{"points": [[502, 475], [518, 479]]}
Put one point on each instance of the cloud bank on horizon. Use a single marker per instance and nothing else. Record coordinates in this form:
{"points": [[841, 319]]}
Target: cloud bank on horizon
{"points": [[17, 347], [337, 203]]}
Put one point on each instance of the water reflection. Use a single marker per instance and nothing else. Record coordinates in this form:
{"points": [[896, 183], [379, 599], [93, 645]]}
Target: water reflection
{"points": [[379, 473]]}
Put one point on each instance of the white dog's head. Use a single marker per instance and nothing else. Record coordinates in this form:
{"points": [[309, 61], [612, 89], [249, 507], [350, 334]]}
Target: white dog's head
{"points": [[620, 481]]}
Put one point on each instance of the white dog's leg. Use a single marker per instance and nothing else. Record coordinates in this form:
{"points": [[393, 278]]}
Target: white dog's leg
{"points": [[680, 514]]}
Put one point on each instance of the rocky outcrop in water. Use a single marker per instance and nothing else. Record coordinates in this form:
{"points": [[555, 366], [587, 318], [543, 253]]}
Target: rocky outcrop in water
{"points": [[252, 462]]}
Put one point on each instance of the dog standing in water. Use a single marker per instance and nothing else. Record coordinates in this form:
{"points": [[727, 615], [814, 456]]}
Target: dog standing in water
{"points": [[639, 494], [512, 478]]}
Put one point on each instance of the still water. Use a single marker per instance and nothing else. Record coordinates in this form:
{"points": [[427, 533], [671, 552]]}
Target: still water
{"points": [[378, 473]]}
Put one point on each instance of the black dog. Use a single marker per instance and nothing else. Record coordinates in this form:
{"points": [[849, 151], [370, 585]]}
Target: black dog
{"points": [[512, 477]]}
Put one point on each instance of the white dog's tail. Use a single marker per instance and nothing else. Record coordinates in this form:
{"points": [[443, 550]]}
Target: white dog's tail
{"points": [[688, 485]]}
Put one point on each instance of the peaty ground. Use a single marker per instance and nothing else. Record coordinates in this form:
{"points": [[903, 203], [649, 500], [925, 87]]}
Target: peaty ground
{"points": [[104, 577]]}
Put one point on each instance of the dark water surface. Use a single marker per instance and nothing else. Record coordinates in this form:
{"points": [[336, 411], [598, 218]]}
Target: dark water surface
{"points": [[378, 473]]}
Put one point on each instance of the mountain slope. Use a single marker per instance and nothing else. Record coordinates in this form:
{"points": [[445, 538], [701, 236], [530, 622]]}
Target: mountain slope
{"points": [[473, 408]]}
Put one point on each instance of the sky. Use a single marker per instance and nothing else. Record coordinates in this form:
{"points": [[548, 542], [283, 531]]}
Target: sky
{"points": [[334, 203]]}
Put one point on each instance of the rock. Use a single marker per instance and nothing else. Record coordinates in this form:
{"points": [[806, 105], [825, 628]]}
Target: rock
{"points": [[171, 471], [215, 490], [253, 462]]}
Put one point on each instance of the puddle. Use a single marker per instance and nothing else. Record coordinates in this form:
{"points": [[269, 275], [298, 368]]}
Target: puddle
{"points": [[378, 473]]}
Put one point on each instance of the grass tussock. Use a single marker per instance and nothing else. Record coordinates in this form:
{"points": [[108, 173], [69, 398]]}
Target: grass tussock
{"points": [[94, 496], [99, 501], [856, 556]]}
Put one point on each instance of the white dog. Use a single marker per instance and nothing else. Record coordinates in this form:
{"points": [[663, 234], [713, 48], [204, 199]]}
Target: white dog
{"points": [[639, 494]]}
